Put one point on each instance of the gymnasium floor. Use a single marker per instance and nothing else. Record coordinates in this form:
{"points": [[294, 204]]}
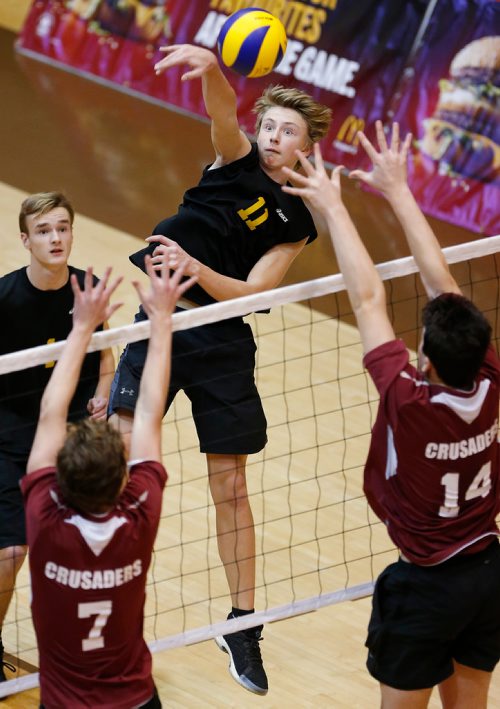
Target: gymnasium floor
{"points": [[125, 164]]}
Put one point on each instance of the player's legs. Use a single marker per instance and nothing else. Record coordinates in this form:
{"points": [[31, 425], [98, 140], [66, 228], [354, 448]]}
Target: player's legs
{"points": [[476, 650], [401, 699], [437, 625], [234, 523], [407, 650], [123, 420], [13, 547], [11, 560], [466, 688], [236, 541], [231, 424], [214, 364]]}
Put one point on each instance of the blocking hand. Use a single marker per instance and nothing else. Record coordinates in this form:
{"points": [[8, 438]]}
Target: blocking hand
{"points": [[314, 186], [91, 305], [388, 163], [164, 290]]}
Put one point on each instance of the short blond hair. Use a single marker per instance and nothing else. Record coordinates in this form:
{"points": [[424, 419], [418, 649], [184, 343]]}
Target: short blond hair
{"points": [[317, 116], [41, 203]]}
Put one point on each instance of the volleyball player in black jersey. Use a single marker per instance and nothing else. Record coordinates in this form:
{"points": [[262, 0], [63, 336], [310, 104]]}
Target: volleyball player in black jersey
{"points": [[36, 303], [239, 233]]}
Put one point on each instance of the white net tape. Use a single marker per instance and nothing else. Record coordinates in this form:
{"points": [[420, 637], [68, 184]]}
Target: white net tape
{"points": [[16, 361]]}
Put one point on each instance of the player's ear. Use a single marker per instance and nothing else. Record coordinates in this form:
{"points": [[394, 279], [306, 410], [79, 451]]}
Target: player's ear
{"points": [[25, 239], [428, 370]]}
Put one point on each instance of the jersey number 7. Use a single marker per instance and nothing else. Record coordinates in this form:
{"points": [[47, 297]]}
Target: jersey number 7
{"points": [[102, 611]]}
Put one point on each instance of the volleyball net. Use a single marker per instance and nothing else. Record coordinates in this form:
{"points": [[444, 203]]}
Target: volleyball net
{"points": [[317, 541]]}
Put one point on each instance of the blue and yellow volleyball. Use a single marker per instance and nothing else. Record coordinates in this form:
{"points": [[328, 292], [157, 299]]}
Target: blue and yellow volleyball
{"points": [[252, 42]]}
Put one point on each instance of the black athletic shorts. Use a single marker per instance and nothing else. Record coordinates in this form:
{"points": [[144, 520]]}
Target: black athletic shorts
{"points": [[12, 521], [214, 365], [423, 618]]}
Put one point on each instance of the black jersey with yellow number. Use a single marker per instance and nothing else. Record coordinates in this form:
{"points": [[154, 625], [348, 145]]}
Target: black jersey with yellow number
{"points": [[35, 317], [232, 217]]}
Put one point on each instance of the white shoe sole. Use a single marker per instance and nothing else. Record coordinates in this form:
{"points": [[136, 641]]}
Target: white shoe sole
{"points": [[242, 680]]}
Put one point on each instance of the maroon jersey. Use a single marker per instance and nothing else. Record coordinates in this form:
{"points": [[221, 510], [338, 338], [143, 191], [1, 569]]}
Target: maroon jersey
{"points": [[88, 576], [432, 473]]}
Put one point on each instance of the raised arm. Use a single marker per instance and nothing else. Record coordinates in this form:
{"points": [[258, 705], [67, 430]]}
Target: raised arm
{"points": [[158, 302], [229, 141], [91, 307], [389, 177], [364, 286]]}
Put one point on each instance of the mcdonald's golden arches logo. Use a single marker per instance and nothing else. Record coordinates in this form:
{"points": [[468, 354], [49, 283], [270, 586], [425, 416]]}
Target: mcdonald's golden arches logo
{"points": [[348, 132]]}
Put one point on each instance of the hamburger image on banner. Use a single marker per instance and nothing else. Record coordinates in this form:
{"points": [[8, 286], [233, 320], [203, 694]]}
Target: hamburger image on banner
{"points": [[464, 132]]}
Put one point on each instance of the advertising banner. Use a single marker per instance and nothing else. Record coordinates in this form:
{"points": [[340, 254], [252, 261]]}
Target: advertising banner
{"points": [[450, 101], [347, 55], [358, 58]]}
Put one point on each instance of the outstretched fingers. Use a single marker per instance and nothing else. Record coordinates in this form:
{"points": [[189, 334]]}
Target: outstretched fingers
{"points": [[306, 164], [362, 175], [91, 304], [88, 281], [168, 48], [299, 179], [381, 139], [140, 290], [395, 138], [107, 287], [318, 159], [163, 282], [367, 146], [104, 290], [150, 270], [165, 62], [154, 279], [406, 146], [173, 279], [336, 173], [397, 147], [192, 74]]}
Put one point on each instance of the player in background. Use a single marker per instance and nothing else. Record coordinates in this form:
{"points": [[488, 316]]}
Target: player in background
{"points": [[432, 473], [239, 233], [92, 519], [36, 302]]}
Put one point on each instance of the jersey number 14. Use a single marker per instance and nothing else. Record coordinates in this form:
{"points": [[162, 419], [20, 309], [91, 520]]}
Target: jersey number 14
{"points": [[479, 487]]}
